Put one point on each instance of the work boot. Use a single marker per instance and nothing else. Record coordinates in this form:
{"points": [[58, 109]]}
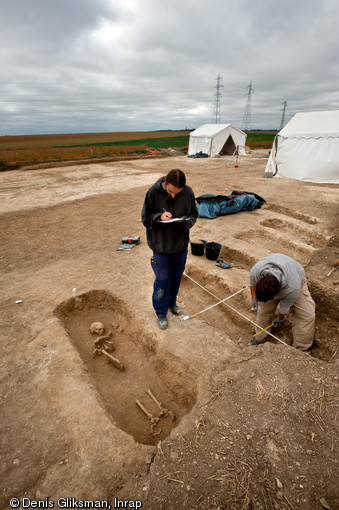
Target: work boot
{"points": [[162, 322], [176, 310]]}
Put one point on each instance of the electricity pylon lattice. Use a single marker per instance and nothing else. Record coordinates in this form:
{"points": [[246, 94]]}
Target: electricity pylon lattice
{"points": [[247, 121], [282, 123], [216, 119]]}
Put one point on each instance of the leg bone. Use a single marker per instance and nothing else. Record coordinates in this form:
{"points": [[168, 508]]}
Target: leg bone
{"points": [[113, 360], [153, 419], [163, 411]]}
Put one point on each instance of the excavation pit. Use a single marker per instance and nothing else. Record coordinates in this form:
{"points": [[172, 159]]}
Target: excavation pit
{"points": [[145, 393], [201, 290]]}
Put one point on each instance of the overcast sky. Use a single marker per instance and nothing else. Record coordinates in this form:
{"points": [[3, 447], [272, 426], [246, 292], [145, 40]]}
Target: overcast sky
{"points": [[77, 66]]}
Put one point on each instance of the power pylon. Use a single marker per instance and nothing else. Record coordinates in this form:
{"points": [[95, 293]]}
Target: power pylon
{"points": [[246, 121], [282, 123], [216, 119]]}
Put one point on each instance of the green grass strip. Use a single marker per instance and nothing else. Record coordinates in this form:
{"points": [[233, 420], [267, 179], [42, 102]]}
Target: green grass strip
{"points": [[257, 136], [157, 143]]}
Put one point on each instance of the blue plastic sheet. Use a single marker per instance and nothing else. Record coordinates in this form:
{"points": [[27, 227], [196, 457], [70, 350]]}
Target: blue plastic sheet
{"points": [[210, 205]]}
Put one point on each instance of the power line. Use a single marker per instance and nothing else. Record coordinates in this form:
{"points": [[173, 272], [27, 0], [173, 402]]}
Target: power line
{"points": [[283, 115], [247, 121], [216, 119]]}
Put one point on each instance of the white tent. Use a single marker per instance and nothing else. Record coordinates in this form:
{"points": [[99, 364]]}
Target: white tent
{"points": [[213, 139], [307, 148]]}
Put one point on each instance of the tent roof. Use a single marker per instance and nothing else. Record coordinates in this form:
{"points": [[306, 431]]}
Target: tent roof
{"points": [[312, 125], [212, 129]]}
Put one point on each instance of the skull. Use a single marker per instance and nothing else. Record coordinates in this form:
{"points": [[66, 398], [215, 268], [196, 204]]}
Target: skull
{"points": [[97, 328]]}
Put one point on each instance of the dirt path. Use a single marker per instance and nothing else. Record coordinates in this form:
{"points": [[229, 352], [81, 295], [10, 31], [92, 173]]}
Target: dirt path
{"points": [[253, 427]]}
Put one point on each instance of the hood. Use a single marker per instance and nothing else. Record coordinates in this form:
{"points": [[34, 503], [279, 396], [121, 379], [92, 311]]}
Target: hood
{"points": [[158, 185], [273, 271]]}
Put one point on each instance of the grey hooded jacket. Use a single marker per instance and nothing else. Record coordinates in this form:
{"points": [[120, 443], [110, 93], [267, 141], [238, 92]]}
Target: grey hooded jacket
{"points": [[289, 273]]}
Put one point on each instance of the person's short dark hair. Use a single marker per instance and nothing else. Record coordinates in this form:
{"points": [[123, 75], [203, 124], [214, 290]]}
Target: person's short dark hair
{"points": [[176, 177], [266, 288]]}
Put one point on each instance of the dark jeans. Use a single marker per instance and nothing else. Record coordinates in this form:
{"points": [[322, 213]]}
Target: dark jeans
{"points": [[168, 270]]}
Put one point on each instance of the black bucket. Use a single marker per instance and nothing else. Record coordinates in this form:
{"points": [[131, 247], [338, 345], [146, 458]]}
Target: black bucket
{"points": [[212, 250], [198, 247]]}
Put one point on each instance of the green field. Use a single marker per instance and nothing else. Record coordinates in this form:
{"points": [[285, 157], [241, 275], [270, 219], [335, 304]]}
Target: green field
{"points": [[157, 143]]}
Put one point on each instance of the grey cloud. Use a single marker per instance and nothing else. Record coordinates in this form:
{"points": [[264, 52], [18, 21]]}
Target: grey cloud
{"points": [[116, 65]]}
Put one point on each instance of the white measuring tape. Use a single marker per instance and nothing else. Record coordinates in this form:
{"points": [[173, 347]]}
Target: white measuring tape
{"points": [[231, 307], [215, 304]]}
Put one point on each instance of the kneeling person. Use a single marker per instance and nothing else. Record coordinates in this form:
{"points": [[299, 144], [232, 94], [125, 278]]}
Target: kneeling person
{"points": [[280, 280]]}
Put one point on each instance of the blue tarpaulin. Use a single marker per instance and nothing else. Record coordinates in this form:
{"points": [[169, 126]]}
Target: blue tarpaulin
{"points": [[210, 205]]}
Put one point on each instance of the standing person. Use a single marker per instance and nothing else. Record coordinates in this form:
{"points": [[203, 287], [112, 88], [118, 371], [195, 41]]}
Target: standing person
{"points": [[167, 199], [280, 280]]}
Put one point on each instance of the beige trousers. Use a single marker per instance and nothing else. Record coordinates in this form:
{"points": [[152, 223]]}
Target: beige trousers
{"points": [[303, 318]]}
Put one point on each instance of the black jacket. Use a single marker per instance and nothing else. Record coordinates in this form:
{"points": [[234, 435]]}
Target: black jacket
{"points": [[173, 237]]}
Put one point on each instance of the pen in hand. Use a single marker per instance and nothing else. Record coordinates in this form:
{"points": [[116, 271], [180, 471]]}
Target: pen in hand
{"points": [[166, 215]]}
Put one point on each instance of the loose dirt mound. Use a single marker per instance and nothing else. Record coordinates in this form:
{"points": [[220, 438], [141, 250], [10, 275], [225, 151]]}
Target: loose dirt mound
{"points": [[255, 428]]}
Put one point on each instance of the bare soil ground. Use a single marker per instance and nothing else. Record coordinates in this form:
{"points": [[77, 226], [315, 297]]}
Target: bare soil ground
{"points": [[254, 427]]}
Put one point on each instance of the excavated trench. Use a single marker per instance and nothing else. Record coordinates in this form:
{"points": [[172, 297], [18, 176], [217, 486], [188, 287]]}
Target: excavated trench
{"points": [[163, 386]]}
